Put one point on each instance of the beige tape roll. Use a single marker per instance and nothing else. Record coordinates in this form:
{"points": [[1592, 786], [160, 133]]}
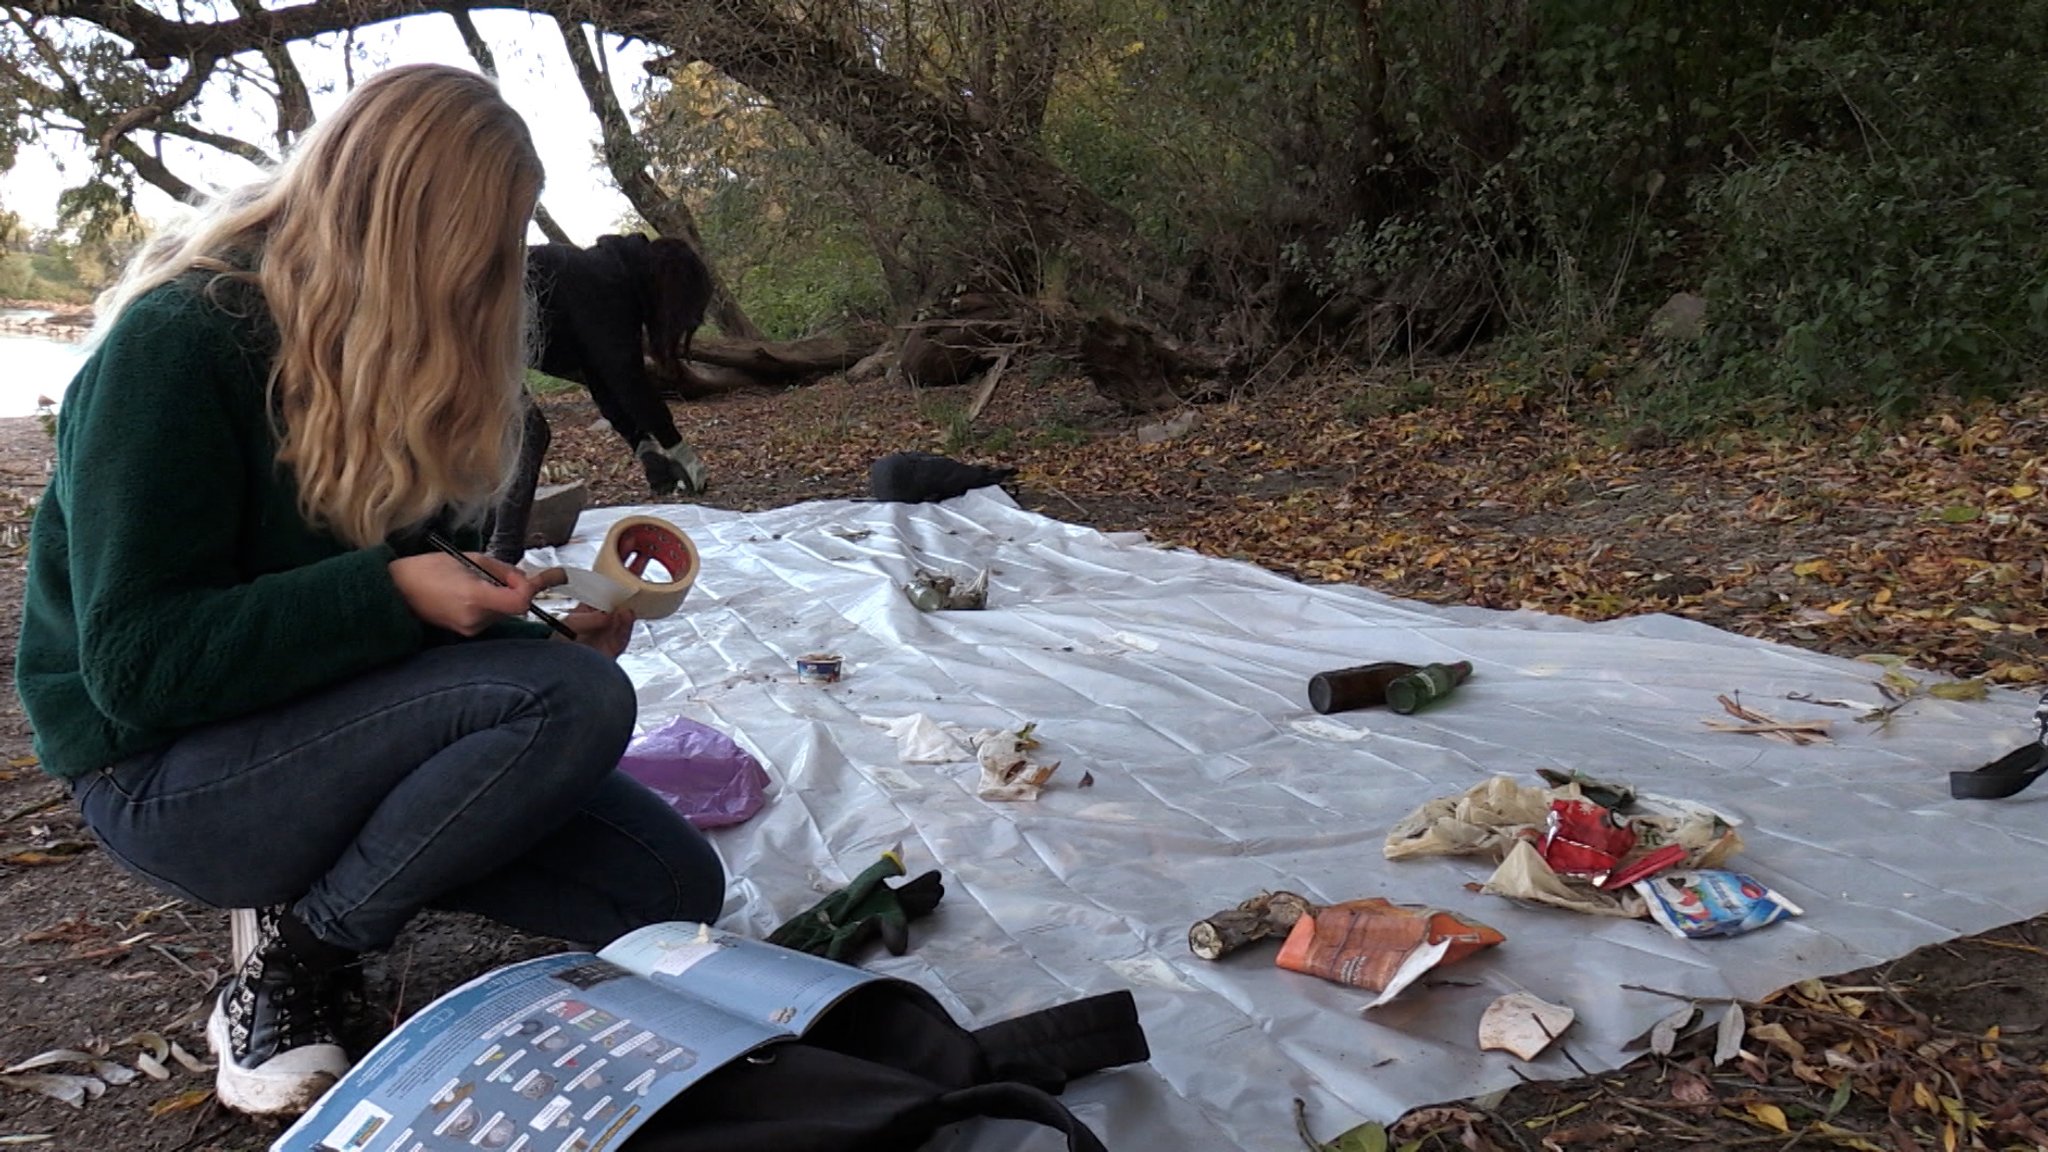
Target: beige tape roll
{"points": [[631, 544]]}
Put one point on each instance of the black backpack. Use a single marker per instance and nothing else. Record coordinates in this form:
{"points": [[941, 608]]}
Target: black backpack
{"points": [[884, 1069]]}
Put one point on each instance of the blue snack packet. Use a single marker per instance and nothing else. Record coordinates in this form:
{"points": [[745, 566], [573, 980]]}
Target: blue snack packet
{"points": [[1712, 902]]}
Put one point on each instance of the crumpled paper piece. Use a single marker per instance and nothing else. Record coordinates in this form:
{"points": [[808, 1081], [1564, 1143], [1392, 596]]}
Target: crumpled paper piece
{"points": [[1708, 839], [923, 740], [1006, 772], [1523, 1024], [1524, 875], [1486, 820], [1489, 818]]}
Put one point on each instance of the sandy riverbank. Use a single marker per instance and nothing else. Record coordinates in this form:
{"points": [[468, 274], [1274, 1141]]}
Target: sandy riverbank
{"points": [[49, 321]]}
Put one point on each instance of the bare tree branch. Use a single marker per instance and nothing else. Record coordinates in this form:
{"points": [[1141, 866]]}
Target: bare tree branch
{"points": [[198, 71], [294, 102], [548, 227], [930, 133], [253, 77], [478, 47], [158, 38], [233, 145], [73, 101], [153, 170]]}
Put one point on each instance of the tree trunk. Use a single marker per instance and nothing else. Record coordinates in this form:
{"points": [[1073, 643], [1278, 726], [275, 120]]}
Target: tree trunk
{"points": [[628, 164]]}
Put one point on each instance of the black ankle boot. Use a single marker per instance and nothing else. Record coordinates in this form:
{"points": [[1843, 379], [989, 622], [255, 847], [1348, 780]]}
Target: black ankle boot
{"points": [[276, 1028]]}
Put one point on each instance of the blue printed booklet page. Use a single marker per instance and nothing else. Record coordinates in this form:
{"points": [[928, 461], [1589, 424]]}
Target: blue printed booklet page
{"points": [[572, 1053]]}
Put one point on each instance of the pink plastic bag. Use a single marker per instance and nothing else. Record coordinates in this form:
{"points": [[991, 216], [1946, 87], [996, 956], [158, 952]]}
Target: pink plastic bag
{"points": [[702, 774]]}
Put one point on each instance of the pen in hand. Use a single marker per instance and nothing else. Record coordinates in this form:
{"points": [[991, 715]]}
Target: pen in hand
{"points": [[442, 542]]}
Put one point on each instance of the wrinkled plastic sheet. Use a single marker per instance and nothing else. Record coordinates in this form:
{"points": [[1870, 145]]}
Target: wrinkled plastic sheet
{"points": [[1179, 682]]}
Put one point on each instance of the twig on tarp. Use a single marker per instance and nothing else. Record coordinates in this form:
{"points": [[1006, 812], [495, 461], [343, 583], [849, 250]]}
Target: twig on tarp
{"points": [[1775, 727], [1769, 727]]}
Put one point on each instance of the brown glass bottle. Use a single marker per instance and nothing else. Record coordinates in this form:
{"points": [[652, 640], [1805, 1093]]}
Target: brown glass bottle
{"points": [[1347, 689]]}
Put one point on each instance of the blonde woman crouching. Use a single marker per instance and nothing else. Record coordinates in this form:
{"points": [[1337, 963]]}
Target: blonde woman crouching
{"points": [[268, 693]]}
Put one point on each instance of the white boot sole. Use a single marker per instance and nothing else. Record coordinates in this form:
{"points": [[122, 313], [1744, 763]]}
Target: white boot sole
{"points": [[285, 1085]]}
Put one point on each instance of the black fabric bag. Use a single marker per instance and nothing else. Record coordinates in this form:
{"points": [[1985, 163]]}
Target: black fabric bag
{"points": [[2010, 774], [884, 1069]]}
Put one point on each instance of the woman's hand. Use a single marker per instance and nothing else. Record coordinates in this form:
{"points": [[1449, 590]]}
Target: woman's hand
{"points": [[608, 632], [443, 593]]}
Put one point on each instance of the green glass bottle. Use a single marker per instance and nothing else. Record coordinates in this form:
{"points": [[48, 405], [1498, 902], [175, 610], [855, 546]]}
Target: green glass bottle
{"points": [[1427, 683]]}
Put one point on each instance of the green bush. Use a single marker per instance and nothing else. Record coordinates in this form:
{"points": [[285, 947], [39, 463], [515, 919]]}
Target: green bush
{"points": [[17, 276], [1857, 186], [810, 287], [1889, 244]]}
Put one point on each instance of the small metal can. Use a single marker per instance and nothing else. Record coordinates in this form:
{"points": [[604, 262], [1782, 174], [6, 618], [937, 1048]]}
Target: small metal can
{"points": [[818, 667]]}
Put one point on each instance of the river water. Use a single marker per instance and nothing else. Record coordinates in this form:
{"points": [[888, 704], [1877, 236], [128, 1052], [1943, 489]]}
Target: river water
{"points": [[31, 368]]}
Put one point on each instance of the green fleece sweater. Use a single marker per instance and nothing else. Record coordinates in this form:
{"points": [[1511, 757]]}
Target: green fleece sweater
{"points": [[172, 582]]}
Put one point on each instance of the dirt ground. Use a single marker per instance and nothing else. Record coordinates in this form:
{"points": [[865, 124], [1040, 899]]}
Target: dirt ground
{"points": [[1923, 541]]}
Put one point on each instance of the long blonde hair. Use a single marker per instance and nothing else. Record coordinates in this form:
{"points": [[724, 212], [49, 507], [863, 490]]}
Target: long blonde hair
{"points": [[390, 251]]}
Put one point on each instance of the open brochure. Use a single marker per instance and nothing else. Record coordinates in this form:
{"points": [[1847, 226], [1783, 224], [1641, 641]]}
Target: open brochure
{"points": [[572, 1053]]}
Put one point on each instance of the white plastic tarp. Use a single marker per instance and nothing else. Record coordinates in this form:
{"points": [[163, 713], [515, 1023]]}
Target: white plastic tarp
{"points": [[1178, 682]]}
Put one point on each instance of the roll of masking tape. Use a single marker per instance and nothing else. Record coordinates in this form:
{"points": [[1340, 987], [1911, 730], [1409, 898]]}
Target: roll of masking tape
{"points": [[634, 543]]}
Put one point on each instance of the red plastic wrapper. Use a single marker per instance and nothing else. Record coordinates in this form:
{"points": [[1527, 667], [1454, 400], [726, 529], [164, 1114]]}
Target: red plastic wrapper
{"points": [[1584, 839], [699, 771]]}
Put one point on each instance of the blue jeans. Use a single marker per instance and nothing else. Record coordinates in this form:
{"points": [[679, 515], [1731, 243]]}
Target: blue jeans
{"points": [[479, 777]]}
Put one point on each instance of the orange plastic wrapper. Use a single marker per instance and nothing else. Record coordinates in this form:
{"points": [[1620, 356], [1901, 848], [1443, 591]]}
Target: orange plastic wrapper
{"points": [[1380, 946]]}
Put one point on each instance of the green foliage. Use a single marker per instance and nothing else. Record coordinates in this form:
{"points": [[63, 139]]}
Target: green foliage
{"points": [[66, 267], [54, 268], [1061, 434], [808, 287], [946, 412], [1892, 239], [808, 230], [541, 384], [17, 276], [48, 276], [1857, 187]]}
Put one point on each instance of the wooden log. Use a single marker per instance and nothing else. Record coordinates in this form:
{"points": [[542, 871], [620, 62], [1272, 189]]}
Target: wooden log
{"points": [[813, 356], [1264, 915], [701, 380]]}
